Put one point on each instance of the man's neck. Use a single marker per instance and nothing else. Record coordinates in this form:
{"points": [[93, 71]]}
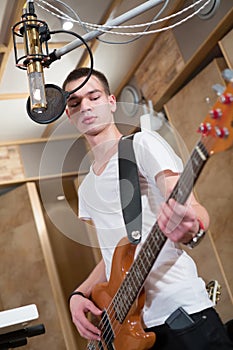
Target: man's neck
{"points": [[103, 146]]}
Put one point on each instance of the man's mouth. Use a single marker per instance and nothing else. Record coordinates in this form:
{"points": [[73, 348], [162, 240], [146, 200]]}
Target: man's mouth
{"points": [[88, 120]]}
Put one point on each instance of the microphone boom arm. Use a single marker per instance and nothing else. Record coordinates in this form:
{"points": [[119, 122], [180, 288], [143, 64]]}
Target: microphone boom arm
{"points": [[56, 54]]}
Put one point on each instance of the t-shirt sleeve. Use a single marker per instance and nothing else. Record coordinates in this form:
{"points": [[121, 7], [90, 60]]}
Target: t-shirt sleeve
{"points": [[153, 154], [82, 208]]}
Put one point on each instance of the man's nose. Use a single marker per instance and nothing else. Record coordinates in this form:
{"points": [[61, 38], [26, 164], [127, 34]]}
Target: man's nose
{"points": [[85, 105]]}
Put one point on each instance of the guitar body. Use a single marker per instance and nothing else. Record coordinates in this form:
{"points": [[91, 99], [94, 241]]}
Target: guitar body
{"points": [[130, 333]]}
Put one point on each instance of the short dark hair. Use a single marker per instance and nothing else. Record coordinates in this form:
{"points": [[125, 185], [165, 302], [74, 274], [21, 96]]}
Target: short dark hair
{"points": [[83, 72]]}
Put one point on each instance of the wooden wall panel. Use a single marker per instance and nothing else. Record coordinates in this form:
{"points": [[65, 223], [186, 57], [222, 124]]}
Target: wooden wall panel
{"points": [[23, 269], [186, 110], [73, 254], [227, 48], [11, 167], [160, 67]]}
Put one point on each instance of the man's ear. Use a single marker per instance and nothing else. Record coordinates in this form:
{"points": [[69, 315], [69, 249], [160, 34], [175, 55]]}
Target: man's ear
{"points": [[112, 101], [67, 112]]}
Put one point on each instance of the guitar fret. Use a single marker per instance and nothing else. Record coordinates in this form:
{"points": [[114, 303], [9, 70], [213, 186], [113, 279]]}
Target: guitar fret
{"points": [[119, 308], [191, 171], [137, 276], [142, 264], [148, 255], [157, 239]]}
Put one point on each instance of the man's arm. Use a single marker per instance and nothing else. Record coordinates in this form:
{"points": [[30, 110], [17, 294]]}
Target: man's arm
{"points": [[95, 277], [80, 306], [180, 223]]}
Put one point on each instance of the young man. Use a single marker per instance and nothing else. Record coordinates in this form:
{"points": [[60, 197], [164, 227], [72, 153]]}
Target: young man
{"points": [[173, 281]]}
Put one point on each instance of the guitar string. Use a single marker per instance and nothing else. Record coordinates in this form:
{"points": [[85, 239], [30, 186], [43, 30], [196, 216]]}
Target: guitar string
{"points": [[115, 324], [111, 308], [146, 258], [116, 329], [143, 264]]}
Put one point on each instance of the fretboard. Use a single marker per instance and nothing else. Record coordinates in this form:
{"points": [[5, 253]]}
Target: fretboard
{"points": [[140, 268]]}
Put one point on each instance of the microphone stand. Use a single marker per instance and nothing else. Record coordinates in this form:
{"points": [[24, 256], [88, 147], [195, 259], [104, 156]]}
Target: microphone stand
{"points": [[19, 337]]}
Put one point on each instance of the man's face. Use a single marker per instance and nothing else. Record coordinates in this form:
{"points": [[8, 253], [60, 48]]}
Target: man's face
{"points": [[90, 109]]}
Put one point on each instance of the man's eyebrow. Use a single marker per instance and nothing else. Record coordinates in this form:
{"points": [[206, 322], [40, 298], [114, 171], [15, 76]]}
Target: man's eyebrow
{"points": [[75, 97], [72, 97]]}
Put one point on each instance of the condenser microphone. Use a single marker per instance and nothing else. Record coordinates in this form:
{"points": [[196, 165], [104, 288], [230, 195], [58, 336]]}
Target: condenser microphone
{"points": [[46, 103], [56, 104], [33, 61]]}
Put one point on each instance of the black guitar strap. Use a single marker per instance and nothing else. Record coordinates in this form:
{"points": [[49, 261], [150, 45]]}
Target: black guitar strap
{"points": [[130, 193]]}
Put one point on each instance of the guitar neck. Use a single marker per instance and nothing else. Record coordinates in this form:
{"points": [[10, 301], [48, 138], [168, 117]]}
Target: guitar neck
{"points": [[190, 174], [139, 270]]}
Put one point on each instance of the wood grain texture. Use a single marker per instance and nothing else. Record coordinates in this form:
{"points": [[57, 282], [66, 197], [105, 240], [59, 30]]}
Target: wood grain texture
{"points": [[186, 110], [11, 167], [227, 48], [24, 276], [160, 67]]}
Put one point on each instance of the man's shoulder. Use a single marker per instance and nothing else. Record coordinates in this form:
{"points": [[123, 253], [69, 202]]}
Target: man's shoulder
{"points": [[84, 180], [147, 137]]}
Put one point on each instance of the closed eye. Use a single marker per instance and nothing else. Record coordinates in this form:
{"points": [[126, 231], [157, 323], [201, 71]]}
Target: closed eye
{"points": [[95, 96], [73, 103]]}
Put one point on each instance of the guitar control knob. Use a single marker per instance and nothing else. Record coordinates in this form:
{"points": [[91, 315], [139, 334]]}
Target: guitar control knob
{"points": [[216, 113], [221, 132], [226, 99], [204, 128], [228, 74], [219, 89]]}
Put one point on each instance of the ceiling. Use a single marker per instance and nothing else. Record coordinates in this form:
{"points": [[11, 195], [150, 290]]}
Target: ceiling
{"points": [[117, 56], [117, 60]]}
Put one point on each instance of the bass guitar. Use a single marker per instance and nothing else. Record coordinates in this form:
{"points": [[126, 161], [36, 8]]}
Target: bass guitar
{"points": [[122, 298]]}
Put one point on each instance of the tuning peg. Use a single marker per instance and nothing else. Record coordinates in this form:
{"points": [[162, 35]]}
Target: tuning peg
{"points": [[228, 74], [215, 113], [221, 132], [219, 89], [226, 99], [204, 128]]}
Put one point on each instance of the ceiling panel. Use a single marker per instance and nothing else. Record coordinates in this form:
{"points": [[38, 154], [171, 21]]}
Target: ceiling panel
{"points": [[115, 60]]}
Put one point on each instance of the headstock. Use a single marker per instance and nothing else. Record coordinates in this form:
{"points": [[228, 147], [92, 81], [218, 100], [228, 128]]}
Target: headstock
{"points": [[217, 127]]}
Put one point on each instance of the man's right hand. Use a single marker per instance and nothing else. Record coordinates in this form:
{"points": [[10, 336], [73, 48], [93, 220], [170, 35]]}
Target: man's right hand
{"points": [[79, 307]]}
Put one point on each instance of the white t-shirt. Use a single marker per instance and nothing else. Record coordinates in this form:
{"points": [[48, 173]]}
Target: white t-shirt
{"points": [[173, 280]]}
